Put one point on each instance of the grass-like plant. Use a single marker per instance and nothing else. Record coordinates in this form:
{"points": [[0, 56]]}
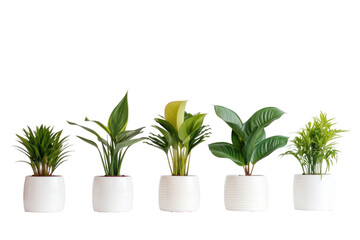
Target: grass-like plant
{"points": [[45, 149], [249, 143], [315, 146], [112, 150], [180, 132]]}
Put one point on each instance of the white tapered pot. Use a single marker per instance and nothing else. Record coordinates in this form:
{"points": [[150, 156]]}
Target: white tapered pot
{"points": [[112, 193], [246, 193], [179, 193], [44, 194], [314, 192]]}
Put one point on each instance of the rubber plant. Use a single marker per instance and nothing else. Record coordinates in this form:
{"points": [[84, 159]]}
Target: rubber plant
{"points": [[315, 146], [45, 149], [112, 150], [248, 140], [179, 133]]}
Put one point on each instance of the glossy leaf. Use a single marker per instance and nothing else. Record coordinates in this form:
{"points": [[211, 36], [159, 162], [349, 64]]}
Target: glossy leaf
{"points": [[231, 119], [119, 118], [267, 146], [262, 118], [174, 113], [226, 150], [190, 125], [250, 145]]}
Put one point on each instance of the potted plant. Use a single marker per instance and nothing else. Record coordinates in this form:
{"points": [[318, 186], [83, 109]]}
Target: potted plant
{"points": [[46, 150], [113, 192], [180, 132], [314, 148], [249, 145]]}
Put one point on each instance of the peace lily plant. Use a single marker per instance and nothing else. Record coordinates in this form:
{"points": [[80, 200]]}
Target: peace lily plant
{"points": [[179, 133], [248, 146], [113, 193], [46, 151], [314, 148]]}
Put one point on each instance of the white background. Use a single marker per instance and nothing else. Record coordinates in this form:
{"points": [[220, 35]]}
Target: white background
{"points": [[64, 60]]}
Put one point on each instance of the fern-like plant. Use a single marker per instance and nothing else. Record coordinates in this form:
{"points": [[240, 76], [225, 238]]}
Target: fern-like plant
{"points": [[45, 149], [180, 132], [249, 143], [315, 146], [112, 149]]}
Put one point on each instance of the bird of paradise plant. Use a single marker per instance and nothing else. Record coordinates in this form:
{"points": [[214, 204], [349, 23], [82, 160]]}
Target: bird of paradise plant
{"points": [[113, 149], [180, 132]]}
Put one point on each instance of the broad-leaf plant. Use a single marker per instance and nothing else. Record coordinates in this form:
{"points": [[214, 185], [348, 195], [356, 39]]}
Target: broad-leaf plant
{"points": [[112, 149], [248, 140], [314, 146], [45, 149], [179, 133]]}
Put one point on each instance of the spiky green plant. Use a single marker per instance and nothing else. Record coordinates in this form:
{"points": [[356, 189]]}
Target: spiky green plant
{"points": [[314, 145], [45, 149], [249, 142], [180, 132], [112, 150]]}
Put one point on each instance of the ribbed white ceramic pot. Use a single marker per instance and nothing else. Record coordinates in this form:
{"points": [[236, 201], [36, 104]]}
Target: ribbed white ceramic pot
{"points": [[314, 192], [246, 193], [179, 193], [112, 193], [44, 194]]}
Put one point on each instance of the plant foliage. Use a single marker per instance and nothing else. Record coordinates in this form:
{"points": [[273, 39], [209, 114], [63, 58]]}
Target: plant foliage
{"points": [[314, 145], [45, 149], [249, 143], [179, 133], [113, 149]]}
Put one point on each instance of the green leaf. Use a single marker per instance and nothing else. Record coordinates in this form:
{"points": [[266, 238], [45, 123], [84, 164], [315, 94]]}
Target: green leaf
{"points": [[226, 150], [88, 141], [231, 119], [127, 143], [250, 145], [262, 118], [237, 143], [99, 124], [86, 128], [190, 125], [174, 113], [119, 118], [267, 146]]}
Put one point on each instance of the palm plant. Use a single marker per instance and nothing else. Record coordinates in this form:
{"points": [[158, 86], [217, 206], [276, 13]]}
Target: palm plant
{"points": [[180, 132], [113, 149], [45, 149], [249, 143], [315, 145]]}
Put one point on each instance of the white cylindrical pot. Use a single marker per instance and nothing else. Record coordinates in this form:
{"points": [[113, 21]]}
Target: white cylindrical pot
{"points": [[314, 192], [179, 193], [112, 193], [44, 194], [246, 193]]}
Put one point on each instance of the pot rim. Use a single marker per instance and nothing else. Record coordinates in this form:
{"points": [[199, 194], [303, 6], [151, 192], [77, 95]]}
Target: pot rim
{"points": [[312, 175], [178, 176], [233, 175], [104, 176], [52, 176]]}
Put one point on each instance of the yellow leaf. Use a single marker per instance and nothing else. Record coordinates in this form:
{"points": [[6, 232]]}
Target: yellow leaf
{"points": [[174, 113]]}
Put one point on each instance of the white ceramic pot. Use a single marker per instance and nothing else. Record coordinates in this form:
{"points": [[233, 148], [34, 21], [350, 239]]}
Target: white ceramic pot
{"points": [[44, 194], [179, 193], [246, 193], [112, 193], [314, 192]]}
